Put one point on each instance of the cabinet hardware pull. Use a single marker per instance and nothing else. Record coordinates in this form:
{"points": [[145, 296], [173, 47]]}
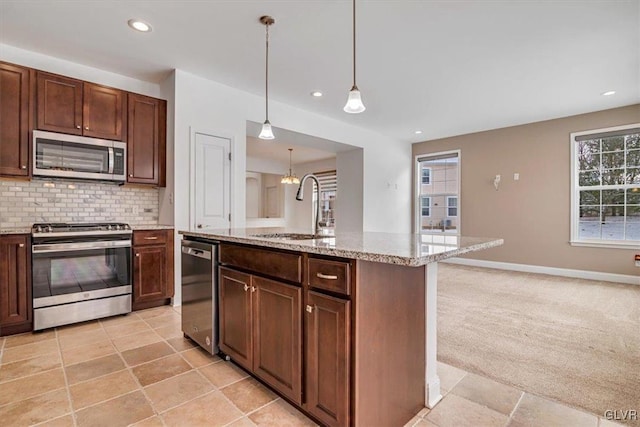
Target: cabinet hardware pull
{"points": [[77, 126], [253, 289], [309, 309], [326, 276], [151, 238], [138, 255], [246, 287], [23, 167], [86, 128], [21, 245], [130, 175]]}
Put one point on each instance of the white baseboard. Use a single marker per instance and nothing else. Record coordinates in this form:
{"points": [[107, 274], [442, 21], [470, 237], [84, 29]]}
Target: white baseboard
{"points": [[565, 272]]}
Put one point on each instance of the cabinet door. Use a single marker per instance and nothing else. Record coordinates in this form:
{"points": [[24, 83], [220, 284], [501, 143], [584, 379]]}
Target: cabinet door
{"points": [[146, 140], [149, 273], [277, 339], [235, 316], [14, 120], [103, 112], [327, 358], [15, 292], [59, 104]]}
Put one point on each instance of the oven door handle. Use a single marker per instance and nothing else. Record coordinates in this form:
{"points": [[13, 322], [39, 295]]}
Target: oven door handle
{"points": [[79, 246]]}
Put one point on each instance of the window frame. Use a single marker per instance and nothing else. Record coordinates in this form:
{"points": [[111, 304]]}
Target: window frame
{"points": [[447, 198], [417, 177], [422, 207], [575, 239], [422, 177]]}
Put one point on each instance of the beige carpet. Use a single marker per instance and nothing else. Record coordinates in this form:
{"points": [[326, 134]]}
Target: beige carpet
{"points": [[571, 340]]}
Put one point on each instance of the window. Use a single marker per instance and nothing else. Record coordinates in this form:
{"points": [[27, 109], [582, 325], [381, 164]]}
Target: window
{"points": [[426, 175], [606, 186], [437, 181], [329, 184], [426, 206], [452, 206]]}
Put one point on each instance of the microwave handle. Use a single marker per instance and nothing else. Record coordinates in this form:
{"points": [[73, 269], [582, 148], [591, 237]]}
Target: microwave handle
{"points": [[111, 160]]}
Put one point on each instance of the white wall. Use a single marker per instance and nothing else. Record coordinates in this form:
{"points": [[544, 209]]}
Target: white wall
{"points": [[349, 200], [72, 69]]}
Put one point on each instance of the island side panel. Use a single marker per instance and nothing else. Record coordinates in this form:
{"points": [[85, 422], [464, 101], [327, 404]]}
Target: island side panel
{"points": [[389, 336]]}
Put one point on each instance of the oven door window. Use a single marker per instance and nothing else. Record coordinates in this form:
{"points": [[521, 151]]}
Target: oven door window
{"points": [[71, 156], [80, 271]]}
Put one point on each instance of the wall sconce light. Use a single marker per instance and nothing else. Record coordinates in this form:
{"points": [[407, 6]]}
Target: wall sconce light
{"points": [[496, 182]]}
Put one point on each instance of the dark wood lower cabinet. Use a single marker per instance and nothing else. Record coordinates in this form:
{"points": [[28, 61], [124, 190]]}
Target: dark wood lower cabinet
{"points": [[15, 284], [261, 329], [328, 339], [152, 268], [235, 316], [277, 336]]}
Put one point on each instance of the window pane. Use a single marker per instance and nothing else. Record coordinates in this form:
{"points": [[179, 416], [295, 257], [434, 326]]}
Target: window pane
{"points": [[589, 147], [633, 196], [589, 213], [589, 178], [452, 201], [613, 197], [633, 141], [633, 176], [633, 158], [615, 143], [613, 177], [589, 229], [613, 160], [632, 229], [590, 197]]}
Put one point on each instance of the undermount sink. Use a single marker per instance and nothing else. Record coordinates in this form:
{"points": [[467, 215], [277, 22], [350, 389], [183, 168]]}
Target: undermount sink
{"points": [[291, 236]]}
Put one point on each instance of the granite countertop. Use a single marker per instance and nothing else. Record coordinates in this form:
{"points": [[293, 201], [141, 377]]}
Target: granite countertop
{"points": [[152, 227], [390, 248], [15, 230]]}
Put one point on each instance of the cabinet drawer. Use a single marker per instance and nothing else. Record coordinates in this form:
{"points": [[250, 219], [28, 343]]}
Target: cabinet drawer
{"points": [[332, 276], [150, 237], [282, 265]]}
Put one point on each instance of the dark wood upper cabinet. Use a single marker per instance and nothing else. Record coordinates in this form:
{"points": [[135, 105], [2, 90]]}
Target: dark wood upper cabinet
{"points": [[15, 284], [59, 104], [80, 108], [146, 140], [103, 112], [14, 120]]}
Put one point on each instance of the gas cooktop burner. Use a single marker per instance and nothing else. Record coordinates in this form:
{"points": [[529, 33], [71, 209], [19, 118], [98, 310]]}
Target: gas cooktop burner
{"points": [[48, 228]]}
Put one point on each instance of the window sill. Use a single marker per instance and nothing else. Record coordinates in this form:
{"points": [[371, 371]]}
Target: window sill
{"points": [[613, 244]]}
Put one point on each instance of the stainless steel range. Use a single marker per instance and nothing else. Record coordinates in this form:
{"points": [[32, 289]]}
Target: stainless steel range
{"points": [[80, 272]]}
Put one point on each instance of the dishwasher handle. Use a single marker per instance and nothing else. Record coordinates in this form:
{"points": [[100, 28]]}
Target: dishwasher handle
{"points": [[200, 253]]}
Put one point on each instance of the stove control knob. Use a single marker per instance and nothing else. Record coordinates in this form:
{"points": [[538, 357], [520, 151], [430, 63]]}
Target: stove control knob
{"points": [[39, 229], [49, 229], [108, 227], [118, 227]]}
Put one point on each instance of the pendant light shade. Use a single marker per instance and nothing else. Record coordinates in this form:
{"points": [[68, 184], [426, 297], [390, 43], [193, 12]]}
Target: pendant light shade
{"points": [[354, 103], [290, 178], [266, 132]]}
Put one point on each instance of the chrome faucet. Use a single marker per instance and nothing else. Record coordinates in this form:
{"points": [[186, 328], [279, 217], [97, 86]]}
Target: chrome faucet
{"points": [[300, 195]]}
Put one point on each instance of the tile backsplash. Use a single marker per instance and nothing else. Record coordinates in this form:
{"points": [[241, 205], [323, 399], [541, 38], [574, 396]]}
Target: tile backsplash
{"points": [[24, 202]]}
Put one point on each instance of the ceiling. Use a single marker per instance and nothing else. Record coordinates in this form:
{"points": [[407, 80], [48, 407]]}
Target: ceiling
{"points": [[442, 67], [279, 152]]}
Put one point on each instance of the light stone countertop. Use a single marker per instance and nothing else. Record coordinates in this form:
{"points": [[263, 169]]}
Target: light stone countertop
{"points": [[390, 248], [152, 227], [15, 230]]}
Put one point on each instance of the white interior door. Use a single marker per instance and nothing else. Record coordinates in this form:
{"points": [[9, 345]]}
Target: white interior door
{"points": [[210, 192]]}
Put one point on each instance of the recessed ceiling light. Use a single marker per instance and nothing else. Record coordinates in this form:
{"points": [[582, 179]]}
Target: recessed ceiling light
{"points": [[418, 132], [316, 93], [608, 93], [139, 25]]}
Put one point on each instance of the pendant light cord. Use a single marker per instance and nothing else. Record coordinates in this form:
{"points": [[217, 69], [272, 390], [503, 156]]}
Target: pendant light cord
{"points": [[354, 43], [266, 74]]}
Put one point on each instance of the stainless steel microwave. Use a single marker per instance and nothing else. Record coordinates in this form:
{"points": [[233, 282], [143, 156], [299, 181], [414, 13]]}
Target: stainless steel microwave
{"points": [[71, 156]]}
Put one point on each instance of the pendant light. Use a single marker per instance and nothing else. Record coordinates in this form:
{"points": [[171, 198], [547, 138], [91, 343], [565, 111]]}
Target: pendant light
{"points": [[291, 178], [354, 103], [266, 132]]}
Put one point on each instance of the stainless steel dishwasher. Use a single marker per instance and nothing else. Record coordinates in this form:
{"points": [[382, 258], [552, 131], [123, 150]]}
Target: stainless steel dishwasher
{"points": [[199, 293]]}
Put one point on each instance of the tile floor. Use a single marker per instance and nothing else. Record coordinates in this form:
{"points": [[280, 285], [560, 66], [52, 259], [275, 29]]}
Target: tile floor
{"points": [[139, 370]]}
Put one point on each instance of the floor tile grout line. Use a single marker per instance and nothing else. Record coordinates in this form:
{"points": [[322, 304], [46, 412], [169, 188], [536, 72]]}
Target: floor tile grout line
{"points": [[513, 411], [66, 380]]}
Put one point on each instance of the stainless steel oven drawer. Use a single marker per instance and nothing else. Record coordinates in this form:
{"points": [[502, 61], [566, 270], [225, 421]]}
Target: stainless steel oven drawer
{"points": [[49, 317]]}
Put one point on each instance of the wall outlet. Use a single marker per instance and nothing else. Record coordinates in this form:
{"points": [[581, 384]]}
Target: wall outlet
{"points": [[637, 258], [516, 176]]}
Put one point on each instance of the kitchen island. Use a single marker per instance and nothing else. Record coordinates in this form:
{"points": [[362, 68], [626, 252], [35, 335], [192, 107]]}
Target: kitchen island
{"points": [[342, 326]]}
